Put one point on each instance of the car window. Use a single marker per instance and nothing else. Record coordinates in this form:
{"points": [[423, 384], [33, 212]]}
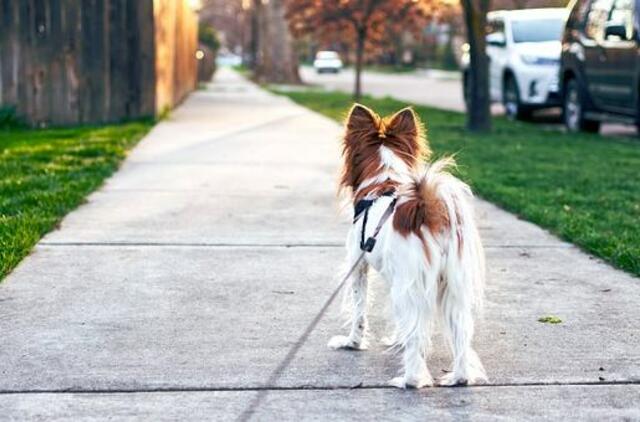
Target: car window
{"points": [[537, 30], [581, 11], [597, 19], [622, 14], [327, 55], [578, 15], [495, 26]]}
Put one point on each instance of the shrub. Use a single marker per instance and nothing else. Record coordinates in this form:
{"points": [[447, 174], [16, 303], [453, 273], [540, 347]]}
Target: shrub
{"points": [[9, 118]]}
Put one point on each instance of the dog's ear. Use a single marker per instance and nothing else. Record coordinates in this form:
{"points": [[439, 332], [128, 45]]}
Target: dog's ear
{"points": [[404, 122], [407, 136], [361, 118]]}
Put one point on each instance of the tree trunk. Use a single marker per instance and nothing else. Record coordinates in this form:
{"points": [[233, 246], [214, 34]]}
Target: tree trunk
{"points": [[276, 61], [254, 35], [478, 107], [360, 40]]}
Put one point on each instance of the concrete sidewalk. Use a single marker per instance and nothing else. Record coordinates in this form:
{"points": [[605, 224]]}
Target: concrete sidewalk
{"points": [[192, 286]]}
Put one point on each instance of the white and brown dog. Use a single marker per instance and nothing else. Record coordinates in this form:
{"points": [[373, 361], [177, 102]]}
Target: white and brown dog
{"points": [[428, 251]]}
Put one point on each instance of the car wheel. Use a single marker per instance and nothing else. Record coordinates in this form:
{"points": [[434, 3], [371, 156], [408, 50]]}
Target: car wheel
{"points": [[513, 108], [573, 110]]}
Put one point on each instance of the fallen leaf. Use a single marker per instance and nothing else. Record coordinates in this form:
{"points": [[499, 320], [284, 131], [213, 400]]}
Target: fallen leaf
{"points": [[550, 319]]}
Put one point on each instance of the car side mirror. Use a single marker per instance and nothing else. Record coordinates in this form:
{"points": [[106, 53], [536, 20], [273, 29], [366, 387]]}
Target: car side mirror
{"points": [[612, 29], [497, 39]]}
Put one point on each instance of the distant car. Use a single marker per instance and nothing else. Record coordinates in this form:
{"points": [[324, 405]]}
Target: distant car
{"points": [[524, 57], [600, 64], [327, 61]]}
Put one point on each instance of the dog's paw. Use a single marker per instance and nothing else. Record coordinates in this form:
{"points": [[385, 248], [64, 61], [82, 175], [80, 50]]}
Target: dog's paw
{"points": [[345, 343], [404, 382], [452, 380], [457, 379]]}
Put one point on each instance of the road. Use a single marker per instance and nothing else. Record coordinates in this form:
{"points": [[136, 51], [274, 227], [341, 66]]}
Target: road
{"points": [[196, 285], [432, 88]]}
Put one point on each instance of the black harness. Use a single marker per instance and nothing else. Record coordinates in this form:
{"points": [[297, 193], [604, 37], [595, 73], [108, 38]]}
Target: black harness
{"points": [[362, 208]]}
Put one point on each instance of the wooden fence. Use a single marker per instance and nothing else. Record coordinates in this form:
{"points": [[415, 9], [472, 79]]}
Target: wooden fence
{"points": [[93, 61], [176, 37]]}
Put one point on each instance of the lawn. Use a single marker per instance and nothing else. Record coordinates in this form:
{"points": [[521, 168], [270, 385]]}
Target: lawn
{"points": [[44, 174], [390, 69], [584, 188]]}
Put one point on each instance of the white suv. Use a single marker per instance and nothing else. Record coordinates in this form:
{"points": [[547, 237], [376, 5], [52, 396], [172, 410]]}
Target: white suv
{"points": [[524, 58]]}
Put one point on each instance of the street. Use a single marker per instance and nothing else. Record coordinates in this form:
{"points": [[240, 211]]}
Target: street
{"points": [[433, 88], [440, 89]]}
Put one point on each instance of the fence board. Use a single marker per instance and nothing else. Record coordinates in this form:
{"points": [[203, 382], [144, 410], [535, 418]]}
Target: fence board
{"points": [[93, 61], [176, 42]]}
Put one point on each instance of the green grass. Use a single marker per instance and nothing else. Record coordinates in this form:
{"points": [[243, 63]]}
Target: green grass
{"points": [[242, 69], [585, 188], [44, 174], [9, 119], [387, 68]]}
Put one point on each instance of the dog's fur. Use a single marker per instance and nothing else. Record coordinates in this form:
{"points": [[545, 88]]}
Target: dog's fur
{"points": [[429, 251]]}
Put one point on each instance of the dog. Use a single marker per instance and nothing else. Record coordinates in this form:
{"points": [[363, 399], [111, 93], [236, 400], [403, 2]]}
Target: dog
{"points": [[428, 250]]}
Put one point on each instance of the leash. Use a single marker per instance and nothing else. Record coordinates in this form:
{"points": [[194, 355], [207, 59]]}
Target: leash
{"points": [[369, 244], [249, 412]]}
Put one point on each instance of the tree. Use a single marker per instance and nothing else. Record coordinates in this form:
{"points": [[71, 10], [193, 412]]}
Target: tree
{"points": [[208, 36], [361, 22], [208, 46], [478, 110], [275, 59]]}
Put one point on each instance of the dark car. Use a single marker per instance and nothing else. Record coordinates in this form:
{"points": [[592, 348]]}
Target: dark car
{"points": [[599, 65]]}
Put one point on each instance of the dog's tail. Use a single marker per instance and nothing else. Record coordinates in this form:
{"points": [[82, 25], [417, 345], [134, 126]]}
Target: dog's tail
{"points": [[441, 203]]}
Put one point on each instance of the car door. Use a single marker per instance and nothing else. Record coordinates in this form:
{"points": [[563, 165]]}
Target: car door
{"points": [[594, 53], [618, 87], [497, 53]]}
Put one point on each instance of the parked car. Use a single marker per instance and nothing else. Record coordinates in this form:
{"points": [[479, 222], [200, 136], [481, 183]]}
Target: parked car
{"points": [[600, 65], [327, 61], [524, 57]]}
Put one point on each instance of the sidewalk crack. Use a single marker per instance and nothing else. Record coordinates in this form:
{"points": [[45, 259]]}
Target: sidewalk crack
{"points": [[305, 387]]}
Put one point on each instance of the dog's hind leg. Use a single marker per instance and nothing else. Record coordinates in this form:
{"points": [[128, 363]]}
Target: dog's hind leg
{"points": [[458, 323], [413, 305], [358, 297]]}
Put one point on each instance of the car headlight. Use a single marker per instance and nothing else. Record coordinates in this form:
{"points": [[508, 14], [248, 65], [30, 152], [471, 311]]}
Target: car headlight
{"points": [[535, 60]]}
